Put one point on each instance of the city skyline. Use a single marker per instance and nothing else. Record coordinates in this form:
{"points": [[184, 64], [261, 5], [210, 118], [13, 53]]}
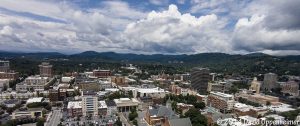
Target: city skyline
{"points": [[151, 26]]}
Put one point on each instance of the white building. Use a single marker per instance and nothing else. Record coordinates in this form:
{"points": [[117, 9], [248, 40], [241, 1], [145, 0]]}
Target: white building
{"points": [[221, 101], [34, 83], [126, 104], [89, 103]]}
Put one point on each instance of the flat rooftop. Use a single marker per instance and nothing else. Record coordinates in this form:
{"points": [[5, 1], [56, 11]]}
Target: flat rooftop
{"points": [[221, 94], [74, 104]]}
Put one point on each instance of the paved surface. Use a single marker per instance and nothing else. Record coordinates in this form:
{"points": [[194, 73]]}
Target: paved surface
{"points": [[141, 121], [105, 120], [123, 119], [5, 118], [55, 118]]}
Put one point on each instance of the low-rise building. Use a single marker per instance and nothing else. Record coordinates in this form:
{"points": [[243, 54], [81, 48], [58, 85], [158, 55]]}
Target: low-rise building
{"points": [[3, 84], [15, 95], [27, 113], [126, 104], [221, 101], [291, 88], [11, 103], [101, 73], [74, 108], [219, 86], [159, 115], [34, 83], [184, 107], [9, 75], [260, 99]]}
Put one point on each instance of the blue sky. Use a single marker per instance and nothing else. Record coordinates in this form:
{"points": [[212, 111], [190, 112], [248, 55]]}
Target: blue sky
{"points": [[151, 26]]}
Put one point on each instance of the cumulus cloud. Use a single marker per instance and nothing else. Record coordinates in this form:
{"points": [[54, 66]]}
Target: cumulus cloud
{"points": [[172, 32], [267, 31], [228, 26], [92, 29]]}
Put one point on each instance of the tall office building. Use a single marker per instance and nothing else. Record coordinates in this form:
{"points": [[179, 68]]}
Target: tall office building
{"points": [[255, 86], [45, 69], [270, 81], [199, 79], [89, 103], [4, 66]]}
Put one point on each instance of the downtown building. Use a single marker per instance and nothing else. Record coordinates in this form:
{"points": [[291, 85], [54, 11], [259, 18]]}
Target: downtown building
{"points": [[221, 101], [199, 79], [89, 103], [291, 88], [5, 72], [4, 66], [45, 69], [270, 82]]}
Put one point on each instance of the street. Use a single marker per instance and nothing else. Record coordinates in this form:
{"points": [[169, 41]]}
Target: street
{"points": [[141, 121], [55, 118], [123, 119]]}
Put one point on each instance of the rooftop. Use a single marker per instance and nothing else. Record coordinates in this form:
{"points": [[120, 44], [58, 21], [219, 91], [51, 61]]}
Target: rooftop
{"points": [[102, 104], [221, 94], [33, 100], [74, 104]]}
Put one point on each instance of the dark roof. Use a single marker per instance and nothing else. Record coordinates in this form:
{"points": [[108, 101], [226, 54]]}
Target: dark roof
{"points": [[180, 122], [162, 111], [110, 103], [89, 92], [11, 101]]}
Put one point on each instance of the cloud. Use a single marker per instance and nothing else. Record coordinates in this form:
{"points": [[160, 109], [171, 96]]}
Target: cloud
{"points": [[91, 29], [159, 2], [267, 31], [172, 32], [228, 26]]}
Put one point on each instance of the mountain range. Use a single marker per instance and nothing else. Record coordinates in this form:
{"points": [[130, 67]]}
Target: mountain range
{"points": [[218, 62], [112, 56]]}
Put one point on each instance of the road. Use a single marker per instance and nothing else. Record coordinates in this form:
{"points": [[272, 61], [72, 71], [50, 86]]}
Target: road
{"points": [[123, 119], [55, 118], [141, 121]]}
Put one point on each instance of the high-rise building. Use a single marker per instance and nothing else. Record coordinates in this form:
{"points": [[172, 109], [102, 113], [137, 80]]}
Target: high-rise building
{"points": [[89, 103], [199, 79], [4, 66], [45, 69], [255, 86], [270, 82]]}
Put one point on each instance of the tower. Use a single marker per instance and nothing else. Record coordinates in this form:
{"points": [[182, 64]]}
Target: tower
{"points": [[199, 79]]}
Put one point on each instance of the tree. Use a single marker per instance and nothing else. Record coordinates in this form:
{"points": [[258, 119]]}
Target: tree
{"points": [[196, 118], [132, 115], [118, 122], [40, 122], [268, 103], [130, 94], [199, 105], [135, 122]]}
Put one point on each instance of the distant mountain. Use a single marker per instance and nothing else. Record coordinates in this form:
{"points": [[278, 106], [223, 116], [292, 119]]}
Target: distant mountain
{"points": [[255, 63], [112, 56], [37, 55]]}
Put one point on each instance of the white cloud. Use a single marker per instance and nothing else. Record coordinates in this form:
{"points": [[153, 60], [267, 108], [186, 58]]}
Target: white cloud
{"points": [[172, 32], [252, 35], [118, 26]]}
